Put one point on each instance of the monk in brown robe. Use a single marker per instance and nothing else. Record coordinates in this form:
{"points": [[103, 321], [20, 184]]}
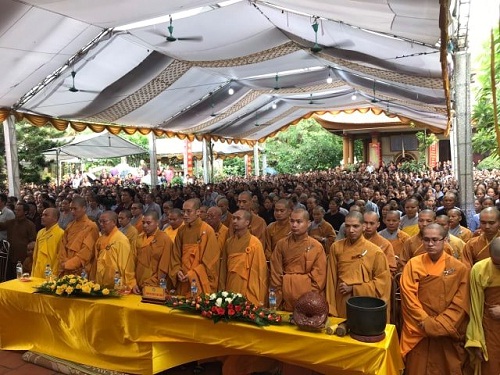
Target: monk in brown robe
{"points": [[243, 267], [455, 216], [214, 215], [76, 248], [128, 230], [280, 228], [226, 217], [298, 263], [356, 267], [435, 306], [394, 235], [372, 223], [257, 225], [154, 251], [321, 230], [483, 331], [196, 253], [478, 247], [456, 244]]}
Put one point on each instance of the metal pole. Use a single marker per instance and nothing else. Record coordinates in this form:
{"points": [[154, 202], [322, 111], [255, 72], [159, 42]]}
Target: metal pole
{"points": [[9, 134], [204, 150], [152, 159], [256, 159]]}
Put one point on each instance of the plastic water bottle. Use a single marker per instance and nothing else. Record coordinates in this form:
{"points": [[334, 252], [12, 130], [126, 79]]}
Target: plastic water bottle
{"points": [[194, 289], [163, 283], [118, 280], [19, 270], [48, 273], [272, 300], [84, 274]]}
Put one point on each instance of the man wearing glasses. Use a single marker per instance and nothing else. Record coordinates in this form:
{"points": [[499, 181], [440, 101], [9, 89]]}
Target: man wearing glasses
{"points": [[435, 306]]}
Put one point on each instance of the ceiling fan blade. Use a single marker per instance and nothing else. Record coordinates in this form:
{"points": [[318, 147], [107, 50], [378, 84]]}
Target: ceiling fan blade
{"points": [[158, 33], [191, 38]]}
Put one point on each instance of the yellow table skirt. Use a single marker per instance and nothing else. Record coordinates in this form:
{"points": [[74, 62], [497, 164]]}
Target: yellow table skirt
{"points": [[126, 335]]}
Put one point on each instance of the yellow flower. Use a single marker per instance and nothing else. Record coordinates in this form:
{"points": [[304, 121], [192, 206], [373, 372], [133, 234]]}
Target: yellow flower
{"points": [[78, 286], [86, 289], [97, 287], [105, 291], [59, 291], [53, 287], [64, 286], [69, 289], [72, 281]]}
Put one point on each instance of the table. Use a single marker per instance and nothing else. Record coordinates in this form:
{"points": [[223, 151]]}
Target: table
{"points": [[126, 335]]}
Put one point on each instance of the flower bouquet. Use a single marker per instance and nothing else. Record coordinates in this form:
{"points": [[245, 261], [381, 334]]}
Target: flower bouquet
{"points": [[225, 306], [72, 285]]}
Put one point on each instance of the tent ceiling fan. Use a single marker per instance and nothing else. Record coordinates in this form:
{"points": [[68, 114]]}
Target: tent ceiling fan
{"points": [[313, 101], [73, 87], [171, 38]]}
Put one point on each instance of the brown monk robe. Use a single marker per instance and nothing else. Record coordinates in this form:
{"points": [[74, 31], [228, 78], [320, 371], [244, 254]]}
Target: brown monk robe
{"points": [[76, 248], [243, 266], [258, 225], [128, 230], [278, 229], [298, 263], [196, 253], [356, 267], [370, 233], [435, 305], [483, 331], [321, 230], [394, 235], [154, 250], [477, 247]]}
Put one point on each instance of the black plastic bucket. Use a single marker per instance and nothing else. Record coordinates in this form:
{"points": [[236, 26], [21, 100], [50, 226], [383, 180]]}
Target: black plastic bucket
{"points": [[366, 316]]}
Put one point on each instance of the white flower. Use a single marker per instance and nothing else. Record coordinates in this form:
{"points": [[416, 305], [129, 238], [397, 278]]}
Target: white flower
{"points": [[229, 300], [225, 294], [213, 296], [239, 295], [218, 302]]}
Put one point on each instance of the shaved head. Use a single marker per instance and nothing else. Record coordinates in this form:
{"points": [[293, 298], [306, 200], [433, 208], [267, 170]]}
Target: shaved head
{"points": [[495, 248]]}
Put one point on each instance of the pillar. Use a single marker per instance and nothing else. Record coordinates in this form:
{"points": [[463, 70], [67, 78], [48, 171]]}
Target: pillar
{"points": [[9, 134], [153, 166], [345, 149]]}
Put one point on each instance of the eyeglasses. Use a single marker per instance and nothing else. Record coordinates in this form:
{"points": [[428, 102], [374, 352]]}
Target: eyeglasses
{"points": [[433, 240], [104, 221]]}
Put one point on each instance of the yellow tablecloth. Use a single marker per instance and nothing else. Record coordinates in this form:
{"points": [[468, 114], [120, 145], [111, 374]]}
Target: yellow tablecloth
{"points": [[126, 335]]}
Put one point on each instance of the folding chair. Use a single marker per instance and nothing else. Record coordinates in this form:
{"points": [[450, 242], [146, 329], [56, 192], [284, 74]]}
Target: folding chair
{"points": [[4, 259]]}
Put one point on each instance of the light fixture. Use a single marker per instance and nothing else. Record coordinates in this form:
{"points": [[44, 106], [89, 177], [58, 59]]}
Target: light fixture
{"points": [[329, 80], [354, 96], [316, 48], [230, 91], [274, 106], [276, 85]]}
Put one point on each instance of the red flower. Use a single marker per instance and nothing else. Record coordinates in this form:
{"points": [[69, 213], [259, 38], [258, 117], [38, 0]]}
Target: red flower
{"points": [[209, 314], [220, 311], [247, 307], [261, 314], [230, 312], [237, 308], [204, 313]]}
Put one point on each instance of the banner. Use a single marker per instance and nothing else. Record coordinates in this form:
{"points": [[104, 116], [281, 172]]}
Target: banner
{"points": [[433, 155], [188, 158], [374, 156]]}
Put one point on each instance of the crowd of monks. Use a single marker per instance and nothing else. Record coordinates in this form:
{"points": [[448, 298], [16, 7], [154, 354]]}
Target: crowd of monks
{"points": [[447, 275]]}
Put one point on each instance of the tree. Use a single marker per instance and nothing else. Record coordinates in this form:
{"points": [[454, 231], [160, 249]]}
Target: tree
{"points": [[484, 138], [304, 147]]}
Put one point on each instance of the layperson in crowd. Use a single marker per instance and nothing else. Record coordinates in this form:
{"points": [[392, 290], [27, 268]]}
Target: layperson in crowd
{"points": [[196, 253], [356, 267], [202, 213], [367, 196], [76, 248], [449, 201], [137, 215], [124, 218], [47, 243], [226, 218], [409, 222], [166, 207], [475, 225], [65, 216], [5, 214], [435, 306], [150, 204], [243, 266], [280, 228], [257, 224], [372, 223], [127, 197], [456, 229], [476, 248], [483, 331], [456, 244], [393, 234], [154, 252], [298, 263], [20, 232], [176, 220], [334, 216], [321, 230], [112, 254], [214, 215], [93, 210]]}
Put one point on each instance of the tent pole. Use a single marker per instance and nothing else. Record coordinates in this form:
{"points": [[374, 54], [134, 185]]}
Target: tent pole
{"points": [[256, 158], [58, 168], [9, 133], [204, 150], [152, 159]]}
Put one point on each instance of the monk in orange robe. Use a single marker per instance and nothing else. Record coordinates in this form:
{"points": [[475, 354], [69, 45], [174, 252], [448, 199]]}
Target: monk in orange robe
{"points": [[214, 219], [76, 248], [435, 306], [477, 247], [298, 263], [257, 224], [394, 235], [243, 267], [154, 250], [196, 253], [356, 267], [372, 222], [321, 230], [456, 229], [128, 230], [280, 228]]}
